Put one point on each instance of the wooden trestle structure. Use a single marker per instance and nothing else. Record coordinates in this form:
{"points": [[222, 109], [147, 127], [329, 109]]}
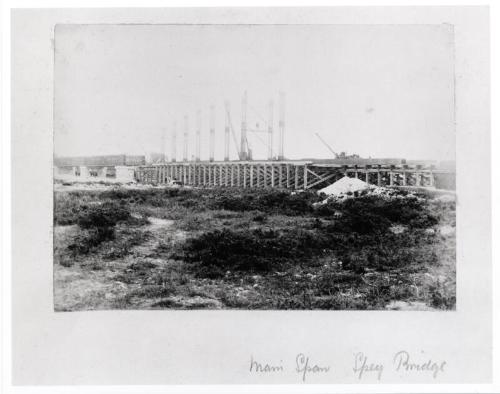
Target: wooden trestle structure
{"points": [[283, 174]]}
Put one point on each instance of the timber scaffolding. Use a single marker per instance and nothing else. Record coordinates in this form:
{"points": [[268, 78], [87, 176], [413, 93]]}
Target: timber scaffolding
{"points": [[297, 175]]}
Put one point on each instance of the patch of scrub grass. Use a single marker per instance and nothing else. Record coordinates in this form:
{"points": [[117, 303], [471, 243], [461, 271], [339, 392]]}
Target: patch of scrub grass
{"points": [[264, 249], [97, 223], [255, 250], [125, 240]]}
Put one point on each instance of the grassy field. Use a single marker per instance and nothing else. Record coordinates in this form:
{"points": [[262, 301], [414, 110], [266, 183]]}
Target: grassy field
{"points": [[149, 248]]}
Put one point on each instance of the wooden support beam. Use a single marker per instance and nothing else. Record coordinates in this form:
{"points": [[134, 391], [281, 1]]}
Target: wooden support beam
{"points": [[296, 177], [305, 177], [272, 175], [251, 175], [288, 176], [321, 180], [313, 173]]}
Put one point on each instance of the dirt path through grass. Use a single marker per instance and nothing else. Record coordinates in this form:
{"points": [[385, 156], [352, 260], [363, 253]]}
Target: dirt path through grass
{"points": [[100, 285]]}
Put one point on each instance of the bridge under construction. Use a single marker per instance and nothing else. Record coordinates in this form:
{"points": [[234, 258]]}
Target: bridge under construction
{"points": [[246, 172], [291, 174], [276, 171]]}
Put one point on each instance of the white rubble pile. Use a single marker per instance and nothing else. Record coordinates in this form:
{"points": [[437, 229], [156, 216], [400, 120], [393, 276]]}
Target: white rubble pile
{"points": [[345, 185], [346, 188]]}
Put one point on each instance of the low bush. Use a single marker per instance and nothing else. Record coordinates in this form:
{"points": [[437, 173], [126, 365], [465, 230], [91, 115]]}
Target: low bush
{"points": [[88, 240], [97, 223], [256, 250], [67, 206], [368, 214], [103, 215], [270, 201], [124, 242]]}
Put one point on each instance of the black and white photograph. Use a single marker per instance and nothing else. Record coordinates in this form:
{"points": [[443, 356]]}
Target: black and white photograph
{"points": [[254, 167], [248, 199]]}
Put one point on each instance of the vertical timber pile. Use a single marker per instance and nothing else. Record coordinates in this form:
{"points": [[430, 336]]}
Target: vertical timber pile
{"points": [[270, 132], [185, 142], [164, 144], [226, 133], [243, 142], [281, 125], [174, 141], [212, 133], [198, 134]]}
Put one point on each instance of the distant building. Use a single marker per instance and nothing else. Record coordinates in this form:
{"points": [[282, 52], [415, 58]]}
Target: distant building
{"points": [[104, 160]]}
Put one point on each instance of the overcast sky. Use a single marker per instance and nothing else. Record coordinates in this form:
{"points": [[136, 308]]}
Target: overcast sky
{"points": [[379, 91]]}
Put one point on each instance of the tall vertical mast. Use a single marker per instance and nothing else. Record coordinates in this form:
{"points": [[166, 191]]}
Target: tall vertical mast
{"points": [[212, 133], [164, 145], [270, 131], [281, 125], [198, 134], [243, 142], [174, 141], [185, 150], [226, 132]]}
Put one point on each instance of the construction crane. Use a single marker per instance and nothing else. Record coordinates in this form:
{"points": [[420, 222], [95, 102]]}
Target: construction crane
{"points": [[335, 154], [230, 123]]}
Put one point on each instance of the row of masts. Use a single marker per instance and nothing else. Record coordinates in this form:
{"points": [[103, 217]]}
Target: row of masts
{"points": [[244, 150]]}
